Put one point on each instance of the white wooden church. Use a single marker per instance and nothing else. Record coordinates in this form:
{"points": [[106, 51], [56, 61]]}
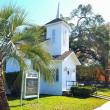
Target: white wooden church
{"points": [[57, 44]]}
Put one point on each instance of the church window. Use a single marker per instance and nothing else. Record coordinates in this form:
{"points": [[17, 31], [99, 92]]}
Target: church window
{"points": [[65, 37], [68, 72], [57, 75], [53, 35]]}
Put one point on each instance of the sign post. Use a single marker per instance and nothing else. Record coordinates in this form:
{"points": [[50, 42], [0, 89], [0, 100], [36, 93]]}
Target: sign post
{"points": [[30, 85], [22, 84], [38, 86]]}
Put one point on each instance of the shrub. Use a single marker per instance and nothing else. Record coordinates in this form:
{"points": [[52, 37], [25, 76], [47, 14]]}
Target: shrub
{"points": [[81, 91], [94, 89], [90, 87]]}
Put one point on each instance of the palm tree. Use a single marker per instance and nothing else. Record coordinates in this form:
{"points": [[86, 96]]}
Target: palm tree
{"points": [[21, 45]]}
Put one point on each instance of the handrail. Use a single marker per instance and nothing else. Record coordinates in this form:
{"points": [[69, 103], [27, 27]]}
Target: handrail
{"points": [[73, 84]]}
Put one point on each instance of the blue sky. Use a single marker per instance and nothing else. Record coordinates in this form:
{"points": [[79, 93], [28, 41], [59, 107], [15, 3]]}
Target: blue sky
{"points": [[42, 11]]}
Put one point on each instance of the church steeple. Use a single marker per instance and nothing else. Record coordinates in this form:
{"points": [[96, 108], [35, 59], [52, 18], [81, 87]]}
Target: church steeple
{"points": [[58, 35], [58, 11]]}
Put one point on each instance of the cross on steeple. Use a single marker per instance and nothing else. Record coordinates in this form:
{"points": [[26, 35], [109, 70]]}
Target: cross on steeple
{"points": [[58, 11]]}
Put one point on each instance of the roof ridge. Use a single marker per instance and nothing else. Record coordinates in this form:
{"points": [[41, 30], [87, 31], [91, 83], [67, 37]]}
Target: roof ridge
{"points": [[63, 56], [54, 21]]}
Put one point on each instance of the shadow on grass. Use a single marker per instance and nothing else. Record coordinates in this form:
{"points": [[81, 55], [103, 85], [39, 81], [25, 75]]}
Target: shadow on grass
{"points": [[103, 89], [13, 97], [44, 95], [14, 106], [78, 97]]}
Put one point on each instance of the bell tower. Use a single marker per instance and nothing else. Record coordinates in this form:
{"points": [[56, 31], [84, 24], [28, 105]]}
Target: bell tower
{"points": [[58, 33]]}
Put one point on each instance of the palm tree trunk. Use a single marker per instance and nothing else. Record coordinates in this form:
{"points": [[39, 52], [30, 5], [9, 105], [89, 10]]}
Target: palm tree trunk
{"points": [[3, 98]]}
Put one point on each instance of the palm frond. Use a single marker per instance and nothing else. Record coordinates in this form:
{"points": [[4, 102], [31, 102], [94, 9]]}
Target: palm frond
{"points": [[41, 60], [11, 18], [18, 19], [6, 12], [35, 34]]}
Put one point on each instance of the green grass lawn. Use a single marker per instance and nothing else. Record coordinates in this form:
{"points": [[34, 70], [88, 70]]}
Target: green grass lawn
{"points": [[103, 92], [56, 103]]}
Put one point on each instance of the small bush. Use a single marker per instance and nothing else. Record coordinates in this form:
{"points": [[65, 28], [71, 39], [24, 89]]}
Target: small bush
{"points": [[93, 88], [81, 91]]}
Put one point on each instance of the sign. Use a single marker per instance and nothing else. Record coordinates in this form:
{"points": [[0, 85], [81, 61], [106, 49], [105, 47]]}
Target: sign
{"points": [[31, 75], [30, 85]]}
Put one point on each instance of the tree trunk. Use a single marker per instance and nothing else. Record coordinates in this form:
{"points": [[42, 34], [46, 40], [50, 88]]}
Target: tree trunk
{"points": [[106, 78], [3, 98]]}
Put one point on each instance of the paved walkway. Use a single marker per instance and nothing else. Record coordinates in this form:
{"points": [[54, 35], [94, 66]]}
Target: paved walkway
{"points": [[105, 106], [102, 97]]}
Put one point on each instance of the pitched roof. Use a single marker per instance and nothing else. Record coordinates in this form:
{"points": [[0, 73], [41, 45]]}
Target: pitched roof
{"points": [[54, 21], [63, 56], [66, 54], [44, 40]]}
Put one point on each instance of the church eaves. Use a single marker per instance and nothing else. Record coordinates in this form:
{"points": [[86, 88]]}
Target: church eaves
{"points": [[54, 21]]}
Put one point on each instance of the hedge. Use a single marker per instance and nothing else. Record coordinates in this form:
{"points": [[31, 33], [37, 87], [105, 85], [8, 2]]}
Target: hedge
{"points": [[82, 91]]}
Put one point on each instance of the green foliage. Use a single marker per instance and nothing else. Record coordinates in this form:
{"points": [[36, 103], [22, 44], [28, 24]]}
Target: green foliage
{"points": [[20, 40], [82, 36], [81, 91], [67, 20], [14, 43], [90, 38], [32, 33], [94, 89], [89, 72]]}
